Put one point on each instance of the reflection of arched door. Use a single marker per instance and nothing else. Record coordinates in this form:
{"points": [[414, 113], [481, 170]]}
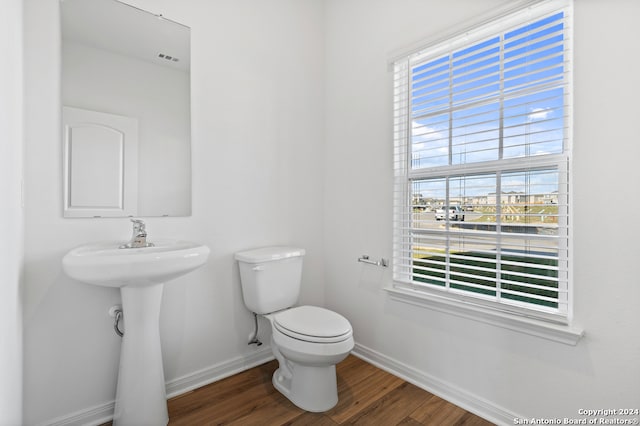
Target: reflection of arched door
{"points": [[100, 164]]}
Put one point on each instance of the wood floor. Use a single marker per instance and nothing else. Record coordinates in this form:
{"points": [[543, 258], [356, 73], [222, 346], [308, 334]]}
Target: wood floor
{"points": [[367, 396]]}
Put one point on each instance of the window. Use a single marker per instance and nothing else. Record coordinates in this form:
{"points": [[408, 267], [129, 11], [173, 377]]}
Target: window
{"points": [[482, 166]]}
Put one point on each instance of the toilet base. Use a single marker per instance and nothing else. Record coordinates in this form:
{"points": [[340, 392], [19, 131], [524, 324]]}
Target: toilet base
{"points": [[311, 388]]}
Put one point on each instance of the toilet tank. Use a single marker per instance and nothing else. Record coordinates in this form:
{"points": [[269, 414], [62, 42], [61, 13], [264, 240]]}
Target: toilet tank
{"points": [[270, 277]]}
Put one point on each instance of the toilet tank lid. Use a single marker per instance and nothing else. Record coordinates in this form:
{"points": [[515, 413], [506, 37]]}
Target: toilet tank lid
{"points": [[268, 254]]}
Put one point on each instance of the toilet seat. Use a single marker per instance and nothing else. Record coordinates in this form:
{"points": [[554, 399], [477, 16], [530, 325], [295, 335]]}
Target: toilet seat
{"points": [[313, 324]]}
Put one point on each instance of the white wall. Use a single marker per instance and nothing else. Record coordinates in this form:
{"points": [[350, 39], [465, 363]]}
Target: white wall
{"points": [[11, 212], [257, 109], [513, 373]]}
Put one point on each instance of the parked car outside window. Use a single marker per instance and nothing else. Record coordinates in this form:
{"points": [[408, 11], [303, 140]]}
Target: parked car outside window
{"points": [[455, 213]]}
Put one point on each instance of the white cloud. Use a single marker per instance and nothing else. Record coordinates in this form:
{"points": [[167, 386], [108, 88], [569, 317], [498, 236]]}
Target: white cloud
{"points": [[422, 133], [539, 114]]}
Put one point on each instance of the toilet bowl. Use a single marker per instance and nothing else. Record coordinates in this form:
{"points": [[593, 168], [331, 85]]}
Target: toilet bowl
{"points": [[307, 341]]}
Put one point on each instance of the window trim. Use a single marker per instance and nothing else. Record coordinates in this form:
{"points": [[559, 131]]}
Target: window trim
{"points": [[556, 327], [470, 309]]}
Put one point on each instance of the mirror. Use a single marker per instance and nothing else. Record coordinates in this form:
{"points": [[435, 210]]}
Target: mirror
{"points": [[125, 94]]}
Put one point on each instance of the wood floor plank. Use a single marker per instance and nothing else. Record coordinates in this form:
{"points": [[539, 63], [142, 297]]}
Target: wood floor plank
{"points": [[470, 419], [218, 392], [231, 405], [352, 371], [408, 421], [312, 419], [354, 398], [393, 407], [437, 411], [274, 409]]}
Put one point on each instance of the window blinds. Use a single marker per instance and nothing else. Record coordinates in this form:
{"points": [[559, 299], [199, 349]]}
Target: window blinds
{"points": [[481, 160]]}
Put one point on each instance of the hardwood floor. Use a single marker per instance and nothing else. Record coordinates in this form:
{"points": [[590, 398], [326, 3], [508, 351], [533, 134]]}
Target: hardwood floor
{"points": [[367, 396]]}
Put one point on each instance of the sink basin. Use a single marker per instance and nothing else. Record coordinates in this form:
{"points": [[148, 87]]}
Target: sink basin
{"points": [[105, 264], [140, 274]]}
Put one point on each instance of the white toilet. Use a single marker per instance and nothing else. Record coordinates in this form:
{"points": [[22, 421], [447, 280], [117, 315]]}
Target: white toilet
{"points": [[307, 341]]}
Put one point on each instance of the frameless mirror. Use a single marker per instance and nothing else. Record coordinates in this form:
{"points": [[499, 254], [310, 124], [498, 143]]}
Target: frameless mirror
{"points": [[126, 111]]}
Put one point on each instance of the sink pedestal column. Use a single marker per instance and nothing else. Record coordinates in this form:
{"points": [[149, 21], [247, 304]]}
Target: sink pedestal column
{"points": [[141, 396]]}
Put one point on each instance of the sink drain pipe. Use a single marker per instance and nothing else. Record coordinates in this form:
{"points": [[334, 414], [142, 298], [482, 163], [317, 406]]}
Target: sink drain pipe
{"points": [[116, 322], [116, 312]]}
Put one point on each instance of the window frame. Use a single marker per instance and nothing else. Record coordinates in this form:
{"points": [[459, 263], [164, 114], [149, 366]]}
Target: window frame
{"points": [[553, 325]]}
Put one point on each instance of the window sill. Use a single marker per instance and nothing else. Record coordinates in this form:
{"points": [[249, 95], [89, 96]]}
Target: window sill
{"points": [[554, 332]]}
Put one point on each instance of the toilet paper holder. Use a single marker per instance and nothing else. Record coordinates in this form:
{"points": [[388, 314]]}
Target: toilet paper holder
{"points": [[365, 259]]}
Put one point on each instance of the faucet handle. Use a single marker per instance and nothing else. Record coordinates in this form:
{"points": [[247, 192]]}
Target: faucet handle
{"points": [[138, 225]]}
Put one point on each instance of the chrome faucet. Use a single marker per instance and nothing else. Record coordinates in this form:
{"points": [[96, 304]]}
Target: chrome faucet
{"points": [[139, 237]]}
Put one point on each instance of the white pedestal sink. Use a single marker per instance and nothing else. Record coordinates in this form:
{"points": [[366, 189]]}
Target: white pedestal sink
{"points": [[140, 273]]}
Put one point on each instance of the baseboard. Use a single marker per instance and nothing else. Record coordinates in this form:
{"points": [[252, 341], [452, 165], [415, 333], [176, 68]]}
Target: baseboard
{"points": [[468, 401], [90, 416], [217, 372], [104, 412]]}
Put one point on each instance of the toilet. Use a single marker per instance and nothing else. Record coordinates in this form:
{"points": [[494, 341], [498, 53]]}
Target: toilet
{"points": [[307, 341]]}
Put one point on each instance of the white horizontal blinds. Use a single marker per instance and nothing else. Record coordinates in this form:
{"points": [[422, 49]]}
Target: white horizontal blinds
{"points": [[402, 209], [533, 225], [498, 98], [508, 244], [535, 83], [481, 161]]}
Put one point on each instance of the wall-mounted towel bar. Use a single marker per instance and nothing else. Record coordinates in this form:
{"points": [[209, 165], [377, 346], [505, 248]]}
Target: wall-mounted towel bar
{"points": [[365, 259]]}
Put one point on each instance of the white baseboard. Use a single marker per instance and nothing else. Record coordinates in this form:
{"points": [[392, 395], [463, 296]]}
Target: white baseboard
{"points": [[104, 412], [90, 416], [461, 398], [217, 372]]}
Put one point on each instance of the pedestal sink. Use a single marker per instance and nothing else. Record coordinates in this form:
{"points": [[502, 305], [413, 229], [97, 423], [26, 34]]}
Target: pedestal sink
{"points": [[140, 273]]}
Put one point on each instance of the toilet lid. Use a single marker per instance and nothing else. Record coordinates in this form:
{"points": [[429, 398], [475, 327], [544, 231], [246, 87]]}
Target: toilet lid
{"points": [[313, 324]]}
